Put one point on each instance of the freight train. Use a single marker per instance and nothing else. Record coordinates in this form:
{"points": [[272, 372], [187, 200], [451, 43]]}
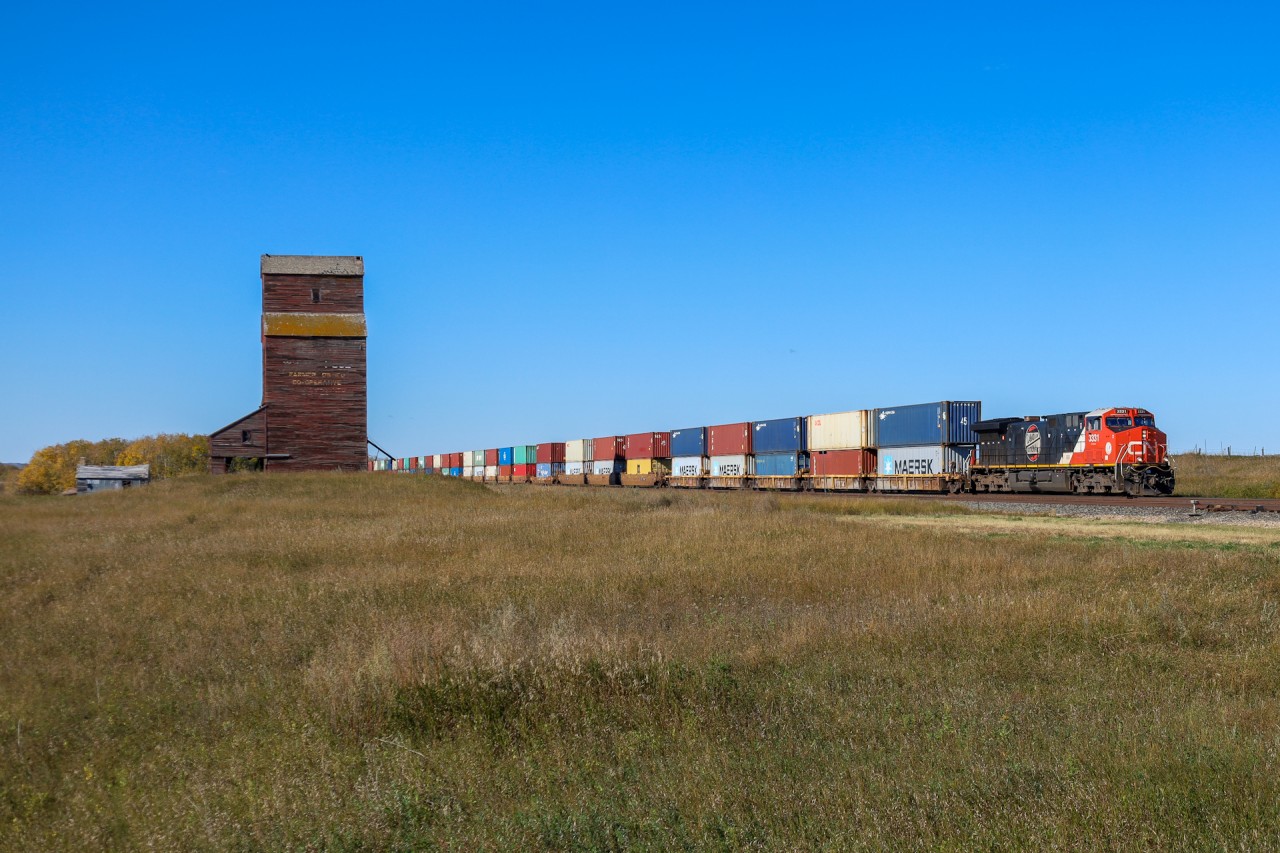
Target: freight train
{"points": [[928, 447]]}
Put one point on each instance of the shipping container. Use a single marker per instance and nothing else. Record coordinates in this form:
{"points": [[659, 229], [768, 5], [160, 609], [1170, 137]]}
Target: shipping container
{"points": [[780, 435], [779, 464], [733, 465], [926, 424], [524, 454], [728, 440], [689, 466], [609, 448], [690, 441], [504, 473], [925, 460], [428, 470], [491, 457], [842, 463], [608, 466], [455, 472], [551, 452], [648, 466], [468, 471], [840, 430], [437, 461], [491, 472], [546, 470], [578, 450], [477, 459], [505, 455], [523, 473], [647, 445]]}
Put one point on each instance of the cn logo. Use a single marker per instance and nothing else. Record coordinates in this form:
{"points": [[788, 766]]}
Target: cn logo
{"points": [[1031, 442]]}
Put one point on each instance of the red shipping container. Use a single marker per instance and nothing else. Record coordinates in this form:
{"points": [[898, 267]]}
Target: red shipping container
{"points": [[491, 457], [842, 463], [609, 447], [550, 453], [649, 445], [504, 472], [413, 463], [523, 472], [729, 439]]}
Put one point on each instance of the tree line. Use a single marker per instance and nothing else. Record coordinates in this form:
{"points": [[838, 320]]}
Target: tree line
{"points": [[52, 470]]}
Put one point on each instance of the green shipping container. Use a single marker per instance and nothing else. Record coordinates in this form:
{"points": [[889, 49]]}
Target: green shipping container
{"points": [[525, 454]]}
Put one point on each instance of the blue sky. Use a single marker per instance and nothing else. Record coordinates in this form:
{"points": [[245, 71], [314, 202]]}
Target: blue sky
{"points": [[586, 219]]}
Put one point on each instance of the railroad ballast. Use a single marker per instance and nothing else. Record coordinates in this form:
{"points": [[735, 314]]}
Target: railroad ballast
{"points": [[927, 447]]}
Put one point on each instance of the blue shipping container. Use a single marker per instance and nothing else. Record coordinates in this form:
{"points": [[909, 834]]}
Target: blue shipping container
{"points": [[781, 464], [691, 441], [505, 455], [926, 423], [548, 469], [455, 472], [425, 470], [780, 434]]}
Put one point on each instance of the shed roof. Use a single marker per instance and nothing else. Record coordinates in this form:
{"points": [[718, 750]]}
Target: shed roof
{"points": [[113, 472]]}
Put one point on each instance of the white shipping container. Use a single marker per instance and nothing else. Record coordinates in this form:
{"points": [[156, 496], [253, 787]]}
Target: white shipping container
{"points": [[578, 450], [840, 430], [577, 469], [437, 461], [491, 472], [468, 471], [609, 466], [688, 466], [731, 466], [925, 460]]}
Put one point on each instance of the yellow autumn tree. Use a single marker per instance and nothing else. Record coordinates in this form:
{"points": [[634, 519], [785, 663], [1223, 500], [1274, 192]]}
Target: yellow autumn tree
{"points": [[169, 454], [52, 470]]}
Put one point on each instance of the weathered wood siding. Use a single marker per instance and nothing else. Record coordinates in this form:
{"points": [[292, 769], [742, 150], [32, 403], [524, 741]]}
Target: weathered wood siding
{"points": [[316, 391], [229, 442], [339, 294]]}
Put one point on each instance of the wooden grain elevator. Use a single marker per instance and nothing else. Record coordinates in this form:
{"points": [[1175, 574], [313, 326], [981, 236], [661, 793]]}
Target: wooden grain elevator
{"points": [[314, 412]]}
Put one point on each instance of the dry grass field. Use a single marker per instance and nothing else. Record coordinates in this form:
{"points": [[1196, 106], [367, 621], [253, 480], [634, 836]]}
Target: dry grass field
{"points": [[1228, 476], [391, 662]]}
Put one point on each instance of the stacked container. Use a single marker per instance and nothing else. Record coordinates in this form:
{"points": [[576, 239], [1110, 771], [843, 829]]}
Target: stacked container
{"points": [[729, 450], [505, 465], [924, 447], [577, 461], [781, 454], [491, 465], [648, 458], [455, 464], [524, 462], [688, 457], [550, 462], [840, 451], [609, 460]]}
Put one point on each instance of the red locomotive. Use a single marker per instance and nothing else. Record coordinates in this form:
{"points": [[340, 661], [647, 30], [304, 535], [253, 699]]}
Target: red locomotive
{"points": [[1106, 451]]}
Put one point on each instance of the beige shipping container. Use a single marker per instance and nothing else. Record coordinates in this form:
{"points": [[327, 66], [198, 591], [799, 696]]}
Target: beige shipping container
{"points": [[578, 450], [840, 430]]}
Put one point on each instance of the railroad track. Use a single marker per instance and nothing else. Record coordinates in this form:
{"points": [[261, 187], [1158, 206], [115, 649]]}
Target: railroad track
{"points": [[1190, 504]]}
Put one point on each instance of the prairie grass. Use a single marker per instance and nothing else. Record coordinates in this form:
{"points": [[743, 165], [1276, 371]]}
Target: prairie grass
{"points": [[1227, 476], [396, 662]]}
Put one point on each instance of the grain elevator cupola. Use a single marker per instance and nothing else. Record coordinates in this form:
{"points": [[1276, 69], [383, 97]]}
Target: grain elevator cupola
{"points": [[314, 412]]}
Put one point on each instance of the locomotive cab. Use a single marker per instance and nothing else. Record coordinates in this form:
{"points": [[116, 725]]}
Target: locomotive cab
{"points": [[1121, 436]]}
